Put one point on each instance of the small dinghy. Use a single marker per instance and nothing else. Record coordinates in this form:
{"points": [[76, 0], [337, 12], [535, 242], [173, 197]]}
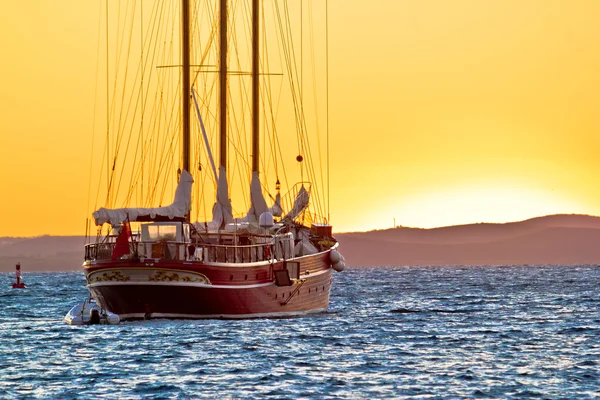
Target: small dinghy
{"points": [[90, 313]]}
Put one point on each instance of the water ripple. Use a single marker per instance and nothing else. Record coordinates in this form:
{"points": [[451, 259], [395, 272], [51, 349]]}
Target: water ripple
{"points": [[422, 332]]}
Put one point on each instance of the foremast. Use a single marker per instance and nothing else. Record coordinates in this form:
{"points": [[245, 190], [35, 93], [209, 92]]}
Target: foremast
{"points": [[223, 86], [255, 88], [185, 81]]}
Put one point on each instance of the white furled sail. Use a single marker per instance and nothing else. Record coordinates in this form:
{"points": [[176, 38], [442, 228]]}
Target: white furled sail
{"points": [[300, 203], [276, 209], [258, 205], [222, 212], [179, 208]]}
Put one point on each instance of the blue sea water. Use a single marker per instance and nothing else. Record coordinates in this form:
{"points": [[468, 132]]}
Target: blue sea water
{"points": [[401, 332]]}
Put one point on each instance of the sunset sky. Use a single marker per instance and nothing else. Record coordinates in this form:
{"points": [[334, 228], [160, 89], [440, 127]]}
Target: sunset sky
{"points": [[441, 112]]}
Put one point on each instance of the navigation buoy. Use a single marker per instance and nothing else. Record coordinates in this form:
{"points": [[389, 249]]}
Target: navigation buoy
{"points": [[19, 284]]}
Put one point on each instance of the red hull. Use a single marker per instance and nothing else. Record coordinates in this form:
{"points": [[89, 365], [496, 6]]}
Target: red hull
{"points": [[175, 289]]}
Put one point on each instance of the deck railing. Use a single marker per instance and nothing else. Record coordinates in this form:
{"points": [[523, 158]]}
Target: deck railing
{"points": [[282, 248]]}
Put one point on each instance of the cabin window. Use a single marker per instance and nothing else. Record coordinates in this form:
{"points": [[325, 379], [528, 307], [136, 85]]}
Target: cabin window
{"points": [[162, 232]]}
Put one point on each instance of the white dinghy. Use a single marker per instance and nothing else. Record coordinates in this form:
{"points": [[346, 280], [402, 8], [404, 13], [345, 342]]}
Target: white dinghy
{"points": [[90, 313]]}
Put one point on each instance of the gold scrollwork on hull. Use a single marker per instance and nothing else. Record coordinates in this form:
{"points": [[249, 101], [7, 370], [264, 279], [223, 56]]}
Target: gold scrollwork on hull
{"points": [[117, 276], [165, 276]]}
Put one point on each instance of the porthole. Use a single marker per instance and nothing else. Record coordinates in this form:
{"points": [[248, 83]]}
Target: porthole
{"points": [[230, 277], [245, 277]]}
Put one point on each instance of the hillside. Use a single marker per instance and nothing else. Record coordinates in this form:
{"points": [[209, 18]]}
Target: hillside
{"points": [[43, 253], [555, 239]]}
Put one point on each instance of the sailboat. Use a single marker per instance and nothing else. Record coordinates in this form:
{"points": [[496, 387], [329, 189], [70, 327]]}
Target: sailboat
{"points": [[268, 261]]}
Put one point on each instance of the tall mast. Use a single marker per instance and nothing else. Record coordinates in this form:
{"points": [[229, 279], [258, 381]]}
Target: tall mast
{"points": [[223, 82], [185, 86], [255, 92]]}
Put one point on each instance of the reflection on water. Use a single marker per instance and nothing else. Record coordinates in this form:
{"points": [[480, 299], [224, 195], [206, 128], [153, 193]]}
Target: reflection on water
{"points": [[390, 332]]}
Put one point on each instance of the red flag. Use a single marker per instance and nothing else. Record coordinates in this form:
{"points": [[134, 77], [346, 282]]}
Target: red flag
{"points": [[122, 244]]}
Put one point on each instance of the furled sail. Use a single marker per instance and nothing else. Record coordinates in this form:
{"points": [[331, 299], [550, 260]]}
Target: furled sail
{"points": [[222, 212], [276, 209], [300, 203], [258, 205], [179, 208]]}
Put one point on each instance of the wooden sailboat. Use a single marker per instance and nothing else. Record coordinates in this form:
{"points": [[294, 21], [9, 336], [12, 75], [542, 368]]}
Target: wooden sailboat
{"points": [[270, 262]]}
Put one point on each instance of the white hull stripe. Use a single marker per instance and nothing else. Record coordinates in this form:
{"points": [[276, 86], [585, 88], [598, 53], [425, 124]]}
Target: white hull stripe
{"points": [[170, 283], [224, 316]]}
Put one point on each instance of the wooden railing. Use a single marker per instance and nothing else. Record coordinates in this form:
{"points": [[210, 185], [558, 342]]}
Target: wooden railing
{"points": [[280, 249]]}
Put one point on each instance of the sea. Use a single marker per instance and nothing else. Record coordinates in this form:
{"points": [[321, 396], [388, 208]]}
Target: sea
{"points": [[390, 332]]}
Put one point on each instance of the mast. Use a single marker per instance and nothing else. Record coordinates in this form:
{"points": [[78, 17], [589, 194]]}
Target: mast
{"points": [[185, 86], [255, 83], [223, 82]]}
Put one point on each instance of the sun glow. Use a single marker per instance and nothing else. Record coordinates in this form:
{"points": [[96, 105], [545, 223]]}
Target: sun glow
{"points": [[466, 205], [440, 113]]}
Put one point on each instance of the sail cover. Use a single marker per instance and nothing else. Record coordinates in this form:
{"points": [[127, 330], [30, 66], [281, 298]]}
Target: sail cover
{"points": [[300, 203], [276, 209], [222, 211], [258, 205], [179, 208]]}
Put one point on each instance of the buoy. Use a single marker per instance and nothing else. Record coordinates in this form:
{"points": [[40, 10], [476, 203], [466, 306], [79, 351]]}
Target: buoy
{"points": [[19, 284]]}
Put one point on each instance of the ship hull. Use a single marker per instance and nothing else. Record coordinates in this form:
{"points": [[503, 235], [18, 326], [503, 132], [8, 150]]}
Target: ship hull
{"points": [[147, 289]]}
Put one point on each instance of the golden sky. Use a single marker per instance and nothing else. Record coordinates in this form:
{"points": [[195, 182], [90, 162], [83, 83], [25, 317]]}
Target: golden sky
{"points": [[441, 112]]}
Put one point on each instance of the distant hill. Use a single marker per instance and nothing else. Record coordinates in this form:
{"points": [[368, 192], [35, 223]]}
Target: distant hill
{"points": [[42, 253], [554, 239]]}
